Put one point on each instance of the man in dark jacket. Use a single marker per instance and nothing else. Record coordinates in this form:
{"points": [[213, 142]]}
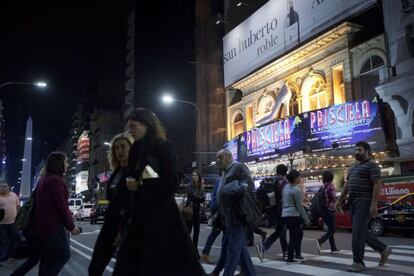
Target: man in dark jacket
{"points": [[280, 232], [215, 231], [237, 213]]}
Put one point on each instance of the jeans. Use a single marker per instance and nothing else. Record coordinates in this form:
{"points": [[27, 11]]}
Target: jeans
{"points": [[8, 238], [234, 252], [295, 236], [54, 252], [329, 218], [360, 217], [34, 256], [195, 221], [280, 232], [210, 240]]}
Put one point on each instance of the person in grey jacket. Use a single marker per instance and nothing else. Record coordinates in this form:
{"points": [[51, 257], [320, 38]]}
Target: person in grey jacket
{"points": [[293, 214], [237, 214]]}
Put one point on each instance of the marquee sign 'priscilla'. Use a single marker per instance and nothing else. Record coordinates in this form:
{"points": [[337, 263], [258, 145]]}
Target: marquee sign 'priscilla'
{"points": [[315, 131]]}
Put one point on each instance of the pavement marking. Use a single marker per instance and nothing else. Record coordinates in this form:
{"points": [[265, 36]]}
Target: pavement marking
{"points": [[402, 246], [209, 268], [87, 248], [90, 233], [301, 268], [75, 268], [109, 268], [369, 264], [376, 255], [395, 251]]}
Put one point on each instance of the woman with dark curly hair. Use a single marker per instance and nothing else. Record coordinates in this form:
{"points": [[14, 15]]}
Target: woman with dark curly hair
{"points": [[156, 241]]}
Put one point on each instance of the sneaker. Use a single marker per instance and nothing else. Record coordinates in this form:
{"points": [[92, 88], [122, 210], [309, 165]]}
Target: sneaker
{"points": [[335, 251], [285, 255], [260, 252], [300, 258], [289, 262], [318, 246], [384, 256], [356, 267], [206, 259]]}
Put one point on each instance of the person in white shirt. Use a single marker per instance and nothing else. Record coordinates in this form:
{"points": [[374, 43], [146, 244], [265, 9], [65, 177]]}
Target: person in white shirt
{"points": [[9, 235]]}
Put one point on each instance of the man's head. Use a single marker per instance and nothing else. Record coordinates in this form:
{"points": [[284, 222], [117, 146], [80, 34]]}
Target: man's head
{"points": [[224, 158], [4, 188], [362, 150], [281, 169]]}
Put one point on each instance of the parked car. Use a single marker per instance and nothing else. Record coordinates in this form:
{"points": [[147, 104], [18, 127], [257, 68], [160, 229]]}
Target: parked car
{"points": [[74, 205], [396, 216], [98, 211], [84, 211]]}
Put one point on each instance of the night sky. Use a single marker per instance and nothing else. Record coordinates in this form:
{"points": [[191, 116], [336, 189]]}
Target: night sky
{"points": [[77, 47]]}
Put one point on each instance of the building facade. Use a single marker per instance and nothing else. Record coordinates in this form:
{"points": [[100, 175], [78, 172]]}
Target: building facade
{"points": [[302, 91]]}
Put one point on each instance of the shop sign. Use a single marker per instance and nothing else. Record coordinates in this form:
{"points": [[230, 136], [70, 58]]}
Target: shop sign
{"points": [[276, 28], [396, 187], [315, 131]]}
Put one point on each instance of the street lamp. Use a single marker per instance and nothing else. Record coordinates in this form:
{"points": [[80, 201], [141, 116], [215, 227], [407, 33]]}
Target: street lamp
{"points": [[168, 99], [40, 84]]}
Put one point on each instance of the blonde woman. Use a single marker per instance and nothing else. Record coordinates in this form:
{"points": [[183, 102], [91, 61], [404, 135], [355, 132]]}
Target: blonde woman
{"points": [[118, 195]]}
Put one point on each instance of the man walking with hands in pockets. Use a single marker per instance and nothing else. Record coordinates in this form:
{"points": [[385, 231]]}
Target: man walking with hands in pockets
{"points": [[363, 187]]}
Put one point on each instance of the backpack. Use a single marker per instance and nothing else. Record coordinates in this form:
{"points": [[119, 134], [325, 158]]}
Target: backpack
{"points": [[318, 204], [25, 213]]}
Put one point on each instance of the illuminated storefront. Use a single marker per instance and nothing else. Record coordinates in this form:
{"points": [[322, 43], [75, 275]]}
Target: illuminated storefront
{"points": [[307, 106]]}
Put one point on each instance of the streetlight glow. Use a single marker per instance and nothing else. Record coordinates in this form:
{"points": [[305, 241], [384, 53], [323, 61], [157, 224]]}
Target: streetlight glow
{"points": [[167, 99], [239, 4], [41, 84], [107, 144], [23, 160], [29, 138]]}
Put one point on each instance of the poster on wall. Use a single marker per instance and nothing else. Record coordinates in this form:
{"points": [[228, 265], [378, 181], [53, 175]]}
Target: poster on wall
{"points": [[339, 126], [276, 28]]}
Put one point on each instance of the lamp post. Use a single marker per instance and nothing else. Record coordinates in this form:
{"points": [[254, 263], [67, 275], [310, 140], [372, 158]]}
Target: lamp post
{"points": [[168, 99], [40, 84]]}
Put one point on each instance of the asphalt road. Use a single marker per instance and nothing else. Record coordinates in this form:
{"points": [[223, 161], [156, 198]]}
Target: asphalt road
{"points": [[401, 262]]}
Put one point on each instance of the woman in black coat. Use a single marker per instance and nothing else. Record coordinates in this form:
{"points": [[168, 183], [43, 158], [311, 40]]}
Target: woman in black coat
{"points": [[195, 196], [118, 196], [156, 242]]}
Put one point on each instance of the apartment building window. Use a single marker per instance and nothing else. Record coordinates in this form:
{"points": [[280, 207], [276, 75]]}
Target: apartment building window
{"points": [[369, 76], [238, 124], [314, 93], [338, 84]]}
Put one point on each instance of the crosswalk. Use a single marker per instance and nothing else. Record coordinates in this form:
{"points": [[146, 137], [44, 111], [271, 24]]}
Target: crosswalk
{"points": [[401, 262]]}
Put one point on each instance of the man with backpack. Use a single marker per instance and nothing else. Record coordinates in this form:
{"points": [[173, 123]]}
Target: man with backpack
{"points": [[326, 201], [280, 231]]}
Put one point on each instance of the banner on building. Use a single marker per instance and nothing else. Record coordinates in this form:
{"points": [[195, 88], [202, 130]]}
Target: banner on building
{"points": [[335, 127], [276, 28], [83, 147]]}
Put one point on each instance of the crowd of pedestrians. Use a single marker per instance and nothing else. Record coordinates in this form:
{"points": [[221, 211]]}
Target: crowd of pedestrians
{"points": [[148, 235]]}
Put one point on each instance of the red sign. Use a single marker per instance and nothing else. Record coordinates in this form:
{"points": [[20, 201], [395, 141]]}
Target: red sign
{"points": [[396, 187]]}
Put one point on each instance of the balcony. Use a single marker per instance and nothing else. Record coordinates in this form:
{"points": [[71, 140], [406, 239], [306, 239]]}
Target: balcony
{"points": [[130, 71], [130, 84], [129, 98]]}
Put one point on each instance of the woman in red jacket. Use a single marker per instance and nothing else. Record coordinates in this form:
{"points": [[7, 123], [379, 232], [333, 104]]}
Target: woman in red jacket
{"points": [[51, 216]]}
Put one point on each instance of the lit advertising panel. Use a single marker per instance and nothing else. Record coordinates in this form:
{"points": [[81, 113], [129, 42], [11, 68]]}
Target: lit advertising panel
{"points": [[315, 131]]}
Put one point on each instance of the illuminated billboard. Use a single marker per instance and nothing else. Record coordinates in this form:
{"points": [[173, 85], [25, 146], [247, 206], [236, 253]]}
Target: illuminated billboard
{"points": [[339, 126]]}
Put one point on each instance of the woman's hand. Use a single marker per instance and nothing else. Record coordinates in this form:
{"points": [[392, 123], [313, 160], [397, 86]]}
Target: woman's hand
{"points": [[132, 184], [75, 231]]}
